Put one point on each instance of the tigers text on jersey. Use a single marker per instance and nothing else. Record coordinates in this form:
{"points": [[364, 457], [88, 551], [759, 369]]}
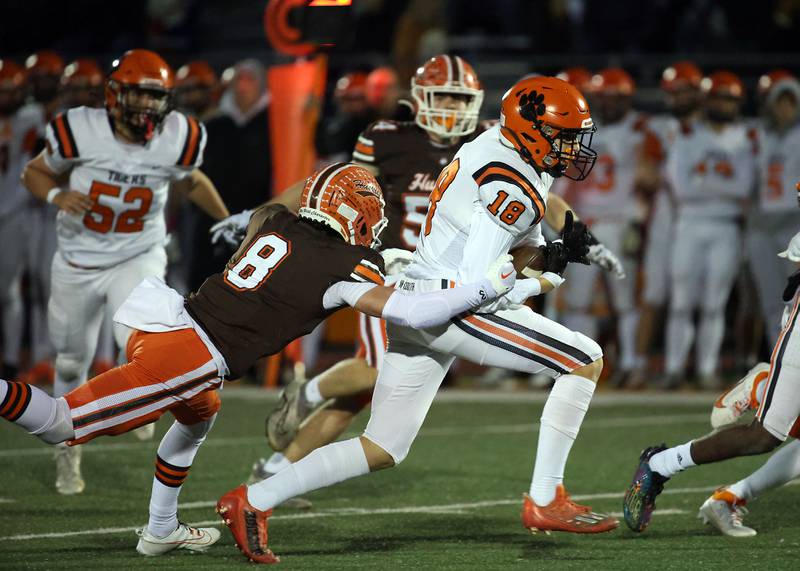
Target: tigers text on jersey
{"points": [[779, 170], [608, 192], [712, 172], [486, 199], [272, 290], [408, 162], [18, 134], [128, 183]]}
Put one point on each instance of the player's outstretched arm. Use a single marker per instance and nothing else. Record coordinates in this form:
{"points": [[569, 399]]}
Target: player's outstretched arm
{"points": [[426, 309], [200, 190], [44, 183]]}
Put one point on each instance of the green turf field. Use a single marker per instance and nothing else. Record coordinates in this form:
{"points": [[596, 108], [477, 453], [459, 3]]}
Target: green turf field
{"points": [[454, 503]]}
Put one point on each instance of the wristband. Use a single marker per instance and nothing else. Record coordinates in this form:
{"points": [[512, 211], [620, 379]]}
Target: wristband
{"points": [[52, 194]]}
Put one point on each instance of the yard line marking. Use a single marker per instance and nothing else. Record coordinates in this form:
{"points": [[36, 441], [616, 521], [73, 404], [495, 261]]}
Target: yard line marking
{"points": [[520, 428], [7, 501], [458, 509]]}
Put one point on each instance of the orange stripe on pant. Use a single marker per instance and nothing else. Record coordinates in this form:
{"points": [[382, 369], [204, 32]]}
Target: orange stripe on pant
{"points": [[570, 364], [154, 359]]}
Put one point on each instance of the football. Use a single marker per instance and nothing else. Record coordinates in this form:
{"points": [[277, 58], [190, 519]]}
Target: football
{"points": [[528, 261]]}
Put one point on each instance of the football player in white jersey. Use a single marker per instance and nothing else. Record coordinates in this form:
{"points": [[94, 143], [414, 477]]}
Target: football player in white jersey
{"points": [[609, 204], [680, 84], [711, 167], [773, 221], [489, 198], [17, 139], [109, 171]]}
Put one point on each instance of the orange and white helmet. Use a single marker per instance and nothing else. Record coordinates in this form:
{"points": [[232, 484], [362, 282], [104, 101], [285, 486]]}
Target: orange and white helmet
{"points": [[440, 76], [12, 79], [578, 76], [613, 81], [136, 73], [680, 75], [723, 84], [44, 69], [767, 80], [81, 73], [548, 122], [346, 198]]}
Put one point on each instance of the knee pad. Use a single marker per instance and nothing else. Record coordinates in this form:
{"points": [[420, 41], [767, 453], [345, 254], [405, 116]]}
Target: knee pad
{"points": [[71, 367]]}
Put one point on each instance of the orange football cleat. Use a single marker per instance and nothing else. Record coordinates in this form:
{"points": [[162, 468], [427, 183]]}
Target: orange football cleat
{"points": [[247, 524], [562, 514]]}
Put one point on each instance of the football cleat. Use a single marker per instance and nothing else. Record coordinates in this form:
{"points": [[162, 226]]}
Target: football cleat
{"points": [[740, 398], [68, 470], [247, 524], [562, 514], [184, 537], [293, 408], [725, 511], [640, 499], [260, 473]]}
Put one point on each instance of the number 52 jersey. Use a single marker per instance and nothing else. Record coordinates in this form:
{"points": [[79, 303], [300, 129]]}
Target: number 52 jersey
{"points": [[128, 183]]}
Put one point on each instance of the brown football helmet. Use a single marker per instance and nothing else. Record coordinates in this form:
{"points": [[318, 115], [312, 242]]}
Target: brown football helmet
{"points": [[548, 122], [447, 76], [138, 92], [346, 198]]}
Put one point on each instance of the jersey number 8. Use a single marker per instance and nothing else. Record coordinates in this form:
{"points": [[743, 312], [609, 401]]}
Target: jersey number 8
{"points": [[264, 254]]}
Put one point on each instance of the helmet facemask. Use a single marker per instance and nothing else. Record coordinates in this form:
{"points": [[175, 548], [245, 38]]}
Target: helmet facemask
{"points": [[141, 109], [571, 152], [445, 122]]}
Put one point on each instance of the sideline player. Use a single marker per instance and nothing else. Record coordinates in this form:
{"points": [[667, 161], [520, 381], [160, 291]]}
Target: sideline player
{"points": [[17, 141], [711, 167], [773, 220], [291, 270], [490, 197], [608, 202], [680, 84], [109, 171]]}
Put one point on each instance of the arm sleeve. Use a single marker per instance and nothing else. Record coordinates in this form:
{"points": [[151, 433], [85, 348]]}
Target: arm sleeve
{"points": [[486, 241], [437, 307], [345, 293], [61, 151]]}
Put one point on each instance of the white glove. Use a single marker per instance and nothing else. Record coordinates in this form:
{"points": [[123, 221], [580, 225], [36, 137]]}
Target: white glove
{"points": [[522, 290], [501, 274], [232, 229], [601, 256], [792, 251], [395, 260]]}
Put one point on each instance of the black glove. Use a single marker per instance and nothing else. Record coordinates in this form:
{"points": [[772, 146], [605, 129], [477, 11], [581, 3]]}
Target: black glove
{"points": [[791, 286], [576, 238], [555, 257]]}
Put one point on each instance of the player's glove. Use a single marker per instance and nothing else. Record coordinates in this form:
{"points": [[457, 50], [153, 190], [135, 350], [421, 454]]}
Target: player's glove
{"points": [[792, 251], [601, 256], [791, 286], [501, 274], [576, 238], [556, 256], [232, 229], [395, 260]]}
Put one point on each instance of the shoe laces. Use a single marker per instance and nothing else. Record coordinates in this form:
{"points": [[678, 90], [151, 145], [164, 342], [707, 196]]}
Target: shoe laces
{"points": [[737, 514]]}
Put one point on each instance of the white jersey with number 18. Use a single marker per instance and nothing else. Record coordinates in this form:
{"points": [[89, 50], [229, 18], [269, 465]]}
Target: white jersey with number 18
{"points": [[485, 200], [128, 183]]}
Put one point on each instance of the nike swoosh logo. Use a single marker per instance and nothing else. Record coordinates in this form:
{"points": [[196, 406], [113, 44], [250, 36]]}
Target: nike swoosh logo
{"points": [[504, 276]]}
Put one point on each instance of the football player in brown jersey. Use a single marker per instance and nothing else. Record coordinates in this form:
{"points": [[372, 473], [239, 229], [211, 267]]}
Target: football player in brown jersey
{"points": [[406, 158], [289, 274]]}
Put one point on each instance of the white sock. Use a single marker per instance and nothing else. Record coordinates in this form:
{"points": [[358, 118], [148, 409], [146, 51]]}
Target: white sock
{"points": [[37, 412], [312, 392], [323, 467], [176, 453], [276, 463], [561, 420], [782, 467], [673, 460]]}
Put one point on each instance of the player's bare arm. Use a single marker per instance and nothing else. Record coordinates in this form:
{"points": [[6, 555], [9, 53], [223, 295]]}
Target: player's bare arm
{"points": [[45, 185], [201, 191]]}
